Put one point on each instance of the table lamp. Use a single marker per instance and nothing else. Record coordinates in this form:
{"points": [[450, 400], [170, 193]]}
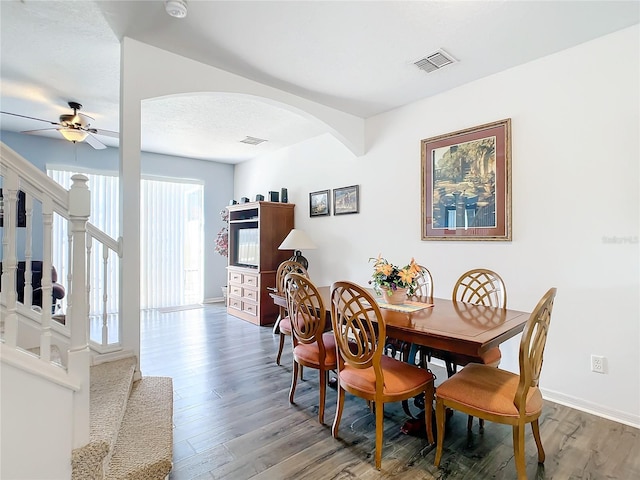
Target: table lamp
{"points": [[297, 240]]}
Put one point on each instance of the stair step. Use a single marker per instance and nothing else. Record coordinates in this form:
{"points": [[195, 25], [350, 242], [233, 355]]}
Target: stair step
{"points": [[109, 392], [144, 449]]}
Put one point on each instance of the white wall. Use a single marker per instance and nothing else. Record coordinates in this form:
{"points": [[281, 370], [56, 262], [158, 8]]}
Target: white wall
{"points": [[575, 163], [217, 179]]}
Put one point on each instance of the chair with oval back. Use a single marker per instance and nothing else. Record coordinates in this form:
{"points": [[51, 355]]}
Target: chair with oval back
{"points": [[479, 286], [282, 325], [424, 285], [501, 396], [423, 292], [409, 351], [363, 369], [312, 346]]}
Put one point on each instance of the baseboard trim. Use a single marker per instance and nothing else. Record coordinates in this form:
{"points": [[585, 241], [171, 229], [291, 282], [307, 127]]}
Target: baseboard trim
{"points": [[213, 300], [592, 408]]}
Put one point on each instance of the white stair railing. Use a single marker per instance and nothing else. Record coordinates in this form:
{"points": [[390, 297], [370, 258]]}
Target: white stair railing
{"points": [[105, 336], [26, 328]]}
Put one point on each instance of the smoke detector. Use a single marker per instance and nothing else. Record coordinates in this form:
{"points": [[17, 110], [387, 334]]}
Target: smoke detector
{"points": [[176, 8]]}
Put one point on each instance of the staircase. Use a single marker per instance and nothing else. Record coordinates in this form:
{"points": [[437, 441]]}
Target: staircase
{"points": [[80, 404], [131, 430]]}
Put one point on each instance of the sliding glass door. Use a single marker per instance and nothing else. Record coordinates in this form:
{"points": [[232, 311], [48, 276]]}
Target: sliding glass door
{"points": [[171, 240]]}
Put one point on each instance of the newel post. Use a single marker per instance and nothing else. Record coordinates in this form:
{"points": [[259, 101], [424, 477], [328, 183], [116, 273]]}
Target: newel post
{"points": [[78, 316]]}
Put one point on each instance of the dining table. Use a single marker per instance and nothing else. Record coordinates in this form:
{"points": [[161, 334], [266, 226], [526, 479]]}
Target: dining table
{"points": [[459, 332], [461, 329]]}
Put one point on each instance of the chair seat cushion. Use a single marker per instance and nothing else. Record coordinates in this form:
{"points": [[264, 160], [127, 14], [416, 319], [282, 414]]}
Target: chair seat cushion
{"points": [[488, 389], [310, 353], [285, 326], [492, 357], [400, 378]]}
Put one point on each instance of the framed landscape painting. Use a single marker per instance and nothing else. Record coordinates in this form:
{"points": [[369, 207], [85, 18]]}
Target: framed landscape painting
{"points": [[346, 200], [319, 203], [466, 184]]}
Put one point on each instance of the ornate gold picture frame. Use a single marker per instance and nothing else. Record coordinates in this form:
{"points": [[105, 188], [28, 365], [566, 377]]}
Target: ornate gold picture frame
{"points": [[466, 184]]}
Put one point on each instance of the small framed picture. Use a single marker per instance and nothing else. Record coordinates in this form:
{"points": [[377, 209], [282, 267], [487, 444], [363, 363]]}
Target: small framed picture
{"points": [[319, 203], [346, 200]]}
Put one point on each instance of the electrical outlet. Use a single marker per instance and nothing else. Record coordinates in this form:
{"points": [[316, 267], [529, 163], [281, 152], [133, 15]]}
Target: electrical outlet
{"points": [[597, 363]]}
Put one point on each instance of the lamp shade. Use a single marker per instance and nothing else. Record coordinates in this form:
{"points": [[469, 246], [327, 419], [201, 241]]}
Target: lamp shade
{"points": [[297, 240], [73, 134]]}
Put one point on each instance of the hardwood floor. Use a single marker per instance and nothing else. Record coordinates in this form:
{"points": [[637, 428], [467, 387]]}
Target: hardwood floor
{"points": [[233, 419]]}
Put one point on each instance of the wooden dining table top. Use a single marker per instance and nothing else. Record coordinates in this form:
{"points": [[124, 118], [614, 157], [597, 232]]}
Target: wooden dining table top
{"points": [[455, 327]]}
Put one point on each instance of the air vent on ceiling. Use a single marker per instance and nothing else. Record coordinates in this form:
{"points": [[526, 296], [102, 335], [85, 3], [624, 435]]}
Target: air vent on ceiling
{"points": [[253, 141], [435, 61]]}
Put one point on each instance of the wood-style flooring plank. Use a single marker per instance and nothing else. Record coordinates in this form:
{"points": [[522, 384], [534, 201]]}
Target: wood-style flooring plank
{"points": [[233, 419]]}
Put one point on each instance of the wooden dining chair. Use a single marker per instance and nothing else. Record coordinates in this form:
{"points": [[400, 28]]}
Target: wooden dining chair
{"points": [[423, 292], [424, 286], [363, 370], [282, 325], [410, 351], [479, 286], [501, 396], [312, 346]]}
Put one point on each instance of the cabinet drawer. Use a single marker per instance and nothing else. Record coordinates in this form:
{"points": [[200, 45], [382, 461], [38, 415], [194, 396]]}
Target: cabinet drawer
{"points": [[235, 277], [235, 290], [235, 303], [250, 308], [250, 294], [250, 280]]}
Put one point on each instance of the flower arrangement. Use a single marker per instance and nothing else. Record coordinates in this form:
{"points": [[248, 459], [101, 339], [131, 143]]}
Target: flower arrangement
{"points": [[222, 239], [389, 277]]}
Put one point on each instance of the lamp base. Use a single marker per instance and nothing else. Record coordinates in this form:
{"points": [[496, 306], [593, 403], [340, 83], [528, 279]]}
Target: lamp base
{"points": [[298, 258]]}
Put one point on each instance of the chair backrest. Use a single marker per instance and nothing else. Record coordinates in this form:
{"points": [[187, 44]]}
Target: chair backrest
{"points": [[306, 309], [283, 269], [481, 287], [358, 327], [532, 343], [424, 284]]}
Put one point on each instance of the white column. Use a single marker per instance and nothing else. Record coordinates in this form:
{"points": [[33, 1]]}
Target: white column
{"points": [[130, 118]]}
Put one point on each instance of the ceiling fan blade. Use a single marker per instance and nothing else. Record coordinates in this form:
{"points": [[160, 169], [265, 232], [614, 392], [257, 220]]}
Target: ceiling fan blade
{"points": [[94, 142], [30, 118], [106, 133], [83, 118], [31, 132]]}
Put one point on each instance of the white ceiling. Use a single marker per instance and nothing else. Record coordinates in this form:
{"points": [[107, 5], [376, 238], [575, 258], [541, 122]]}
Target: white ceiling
{"points": [[354, 56]]}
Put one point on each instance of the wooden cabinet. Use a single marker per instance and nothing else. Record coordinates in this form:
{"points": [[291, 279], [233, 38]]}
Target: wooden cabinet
{"points": [[256, 230]]}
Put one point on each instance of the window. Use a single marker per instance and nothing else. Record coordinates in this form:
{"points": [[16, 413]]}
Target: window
{"points": [[171, 240]]}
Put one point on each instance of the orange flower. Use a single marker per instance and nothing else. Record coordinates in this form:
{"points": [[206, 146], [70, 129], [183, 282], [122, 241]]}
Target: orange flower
{"points": [[406, 275], [385, 269], [415, 268]]}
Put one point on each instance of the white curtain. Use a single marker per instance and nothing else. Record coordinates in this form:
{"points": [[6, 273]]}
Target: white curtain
{"points": [[171, 240], [172, 244], [104, 215]]}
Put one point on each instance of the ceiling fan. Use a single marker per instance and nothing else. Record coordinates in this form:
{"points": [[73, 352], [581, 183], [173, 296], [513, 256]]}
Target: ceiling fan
{"points": [[74, 127]]}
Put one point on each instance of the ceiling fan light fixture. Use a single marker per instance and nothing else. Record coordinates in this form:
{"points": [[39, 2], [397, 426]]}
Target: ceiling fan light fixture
{"points": [[176, 8], [73, 134]]}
